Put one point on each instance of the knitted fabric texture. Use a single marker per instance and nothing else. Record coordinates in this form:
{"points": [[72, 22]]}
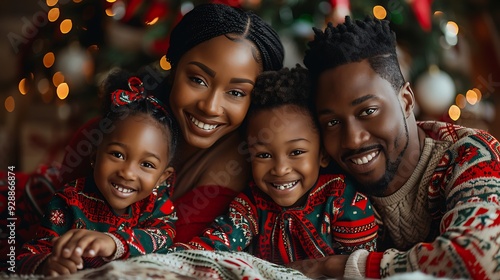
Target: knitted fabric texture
{"points": [[147, 227], [446, 220], [335, 220]]}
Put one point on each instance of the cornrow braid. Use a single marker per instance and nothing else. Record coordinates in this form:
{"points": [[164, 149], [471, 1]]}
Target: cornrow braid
{"points": [[284, 87], [210, 20], [354, 41]]}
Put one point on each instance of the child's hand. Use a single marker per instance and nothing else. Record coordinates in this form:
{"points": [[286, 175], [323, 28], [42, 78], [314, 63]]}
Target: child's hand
{"points": [[83, 243], [56, 266]]}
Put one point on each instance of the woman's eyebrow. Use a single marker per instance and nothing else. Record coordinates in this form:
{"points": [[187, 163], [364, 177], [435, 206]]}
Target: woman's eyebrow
{"points": [[212, 73], [205, 68], [241, 80]]}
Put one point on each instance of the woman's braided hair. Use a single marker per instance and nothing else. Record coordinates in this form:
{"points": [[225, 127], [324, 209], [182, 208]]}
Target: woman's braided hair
{"points": [[354, 41], [207, 21]]}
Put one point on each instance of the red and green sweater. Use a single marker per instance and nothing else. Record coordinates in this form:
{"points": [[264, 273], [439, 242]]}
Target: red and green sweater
{"points": [[445, 220], [336, 219], [147, 226]]}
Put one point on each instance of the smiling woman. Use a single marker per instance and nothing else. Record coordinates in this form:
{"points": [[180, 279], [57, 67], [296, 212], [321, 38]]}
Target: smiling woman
{"points": [[207, 100]]}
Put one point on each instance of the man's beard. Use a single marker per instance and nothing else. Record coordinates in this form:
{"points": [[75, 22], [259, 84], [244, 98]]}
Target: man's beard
{"points": [[379, 187]]}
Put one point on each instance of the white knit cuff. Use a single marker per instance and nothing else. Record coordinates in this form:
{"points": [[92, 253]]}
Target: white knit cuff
{"points": [[120, 249], [355, 268]]}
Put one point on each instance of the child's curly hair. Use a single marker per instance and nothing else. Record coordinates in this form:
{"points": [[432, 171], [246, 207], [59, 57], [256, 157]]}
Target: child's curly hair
{"points": [[283, 87]]}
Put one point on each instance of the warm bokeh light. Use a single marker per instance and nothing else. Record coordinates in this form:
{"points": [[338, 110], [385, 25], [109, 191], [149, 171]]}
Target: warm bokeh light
{"points": [[454, 112], [164, 64], [152, 22], [66, 26], [111, 1], [62, 91], [109, 12], [471, 97], [58, 78], [438, 13], [479, 94], [10, 104], [452, 27], [53, 14], [379, 12], [460, 101], [23, 89], [43, 86], [48, 59], [77, 1], [51, 3]]}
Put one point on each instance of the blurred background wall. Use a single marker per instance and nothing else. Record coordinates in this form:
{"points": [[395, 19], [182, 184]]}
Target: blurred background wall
{"points": [[54, 55]]}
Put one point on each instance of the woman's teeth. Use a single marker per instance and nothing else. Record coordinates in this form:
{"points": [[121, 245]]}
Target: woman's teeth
{"points": [[122, 189], [364, 159], [202, 125], [285, 186]]}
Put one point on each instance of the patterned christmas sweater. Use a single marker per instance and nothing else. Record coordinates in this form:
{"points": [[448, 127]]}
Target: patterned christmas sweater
{"points": [[445, 220], [146, 227], [335, 220]]}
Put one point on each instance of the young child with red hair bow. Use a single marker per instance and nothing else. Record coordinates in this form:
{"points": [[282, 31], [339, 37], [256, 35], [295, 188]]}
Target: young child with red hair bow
{"points": [[122, 209]]}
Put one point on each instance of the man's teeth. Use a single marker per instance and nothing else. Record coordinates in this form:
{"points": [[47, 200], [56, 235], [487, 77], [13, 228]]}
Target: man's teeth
{"points": [[122, 189], [285, 186], [364, 159], [202, 125]]}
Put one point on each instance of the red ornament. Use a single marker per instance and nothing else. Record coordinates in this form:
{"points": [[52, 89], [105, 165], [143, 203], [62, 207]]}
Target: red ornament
{"points": [[132, 7], [157, 10], [340, 9], [422, 11], [234, 3]]}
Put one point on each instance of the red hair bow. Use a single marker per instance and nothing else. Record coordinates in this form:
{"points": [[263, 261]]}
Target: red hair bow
{"points": [[121, 97]]}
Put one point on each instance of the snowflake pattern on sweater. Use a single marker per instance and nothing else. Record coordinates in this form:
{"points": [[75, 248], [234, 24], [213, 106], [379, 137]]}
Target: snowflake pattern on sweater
{"points": [[455, 195]]}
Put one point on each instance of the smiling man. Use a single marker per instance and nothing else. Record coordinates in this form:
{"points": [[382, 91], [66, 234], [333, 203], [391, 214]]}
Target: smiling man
{"points": [[435, 186]]}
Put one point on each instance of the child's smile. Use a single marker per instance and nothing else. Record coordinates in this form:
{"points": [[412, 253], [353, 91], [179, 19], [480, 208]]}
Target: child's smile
{"points": [[285, 148], [131, 161], [285, 186]]}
